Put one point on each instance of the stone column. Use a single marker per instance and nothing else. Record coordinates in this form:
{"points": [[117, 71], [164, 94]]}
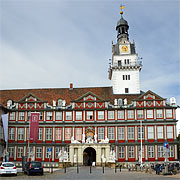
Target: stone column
{"points": [[71, 153]]}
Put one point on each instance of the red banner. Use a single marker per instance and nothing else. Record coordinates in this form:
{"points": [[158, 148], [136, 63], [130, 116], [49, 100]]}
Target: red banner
{"points": [[34, 127]]}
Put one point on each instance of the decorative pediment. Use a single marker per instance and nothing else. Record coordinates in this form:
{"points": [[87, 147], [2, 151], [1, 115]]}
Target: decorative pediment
{"points": [[149, 95], [30, 98], [89, 96]]}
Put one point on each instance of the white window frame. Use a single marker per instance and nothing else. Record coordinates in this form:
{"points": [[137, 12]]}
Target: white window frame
{"points": [[69, 115], [110, 114], [121, 114], [58, 134], [67, 133], [151, 151], [171, 151], [150, 113], [20, 133], [49, 115], [11, 133], [130, 133], [100, 115], [40, 115], [11, 152], [150, 132], [20, 152], [160, 151], [21, 115], [160, 132], [131, 151], [57, 150], [139, 132], [12, 116], [111, 133], [79, 115], [140, 114], [120, 133], [38, 152], [121, 151], [29, 115], [58, 115], [159, 113], [130, 114], [90, 115], [40, 134], [78, 133], [100, 133], [47, 153], [169, 113], [170, 132], [48, 134]]}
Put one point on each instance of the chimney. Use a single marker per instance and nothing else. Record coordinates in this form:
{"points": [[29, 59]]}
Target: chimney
{"points": [[71, 86]]}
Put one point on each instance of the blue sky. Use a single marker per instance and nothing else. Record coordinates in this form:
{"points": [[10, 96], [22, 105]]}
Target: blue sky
{"points": [[51, 43]]}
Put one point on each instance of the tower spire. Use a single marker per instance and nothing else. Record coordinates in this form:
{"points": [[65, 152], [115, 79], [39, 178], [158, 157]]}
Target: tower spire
{"points": [[121, 9]]}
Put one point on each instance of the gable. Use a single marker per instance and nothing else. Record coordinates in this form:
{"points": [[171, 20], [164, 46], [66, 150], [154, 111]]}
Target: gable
{"points": [[30, 98], [149, 95]]}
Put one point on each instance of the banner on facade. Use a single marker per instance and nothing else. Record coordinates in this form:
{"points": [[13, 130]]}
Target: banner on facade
{"points": [[34, 127], [5, 125]]}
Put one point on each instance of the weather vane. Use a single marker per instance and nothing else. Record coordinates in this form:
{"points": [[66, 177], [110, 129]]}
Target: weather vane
{"points": [[121, 9]]}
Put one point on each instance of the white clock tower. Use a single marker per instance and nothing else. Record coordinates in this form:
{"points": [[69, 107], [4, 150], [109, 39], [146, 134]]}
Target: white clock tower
{"points": [[124, 68]]}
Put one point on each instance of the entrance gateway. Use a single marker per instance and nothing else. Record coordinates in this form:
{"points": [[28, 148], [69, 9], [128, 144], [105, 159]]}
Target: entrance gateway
{"points": [[89, 156]]}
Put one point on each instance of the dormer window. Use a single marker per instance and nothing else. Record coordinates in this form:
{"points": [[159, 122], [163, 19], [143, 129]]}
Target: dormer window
{"points": [[60, 102]]}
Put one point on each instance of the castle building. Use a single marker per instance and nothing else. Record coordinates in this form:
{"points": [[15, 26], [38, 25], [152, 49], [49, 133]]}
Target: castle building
{"points": [[97, 124]]}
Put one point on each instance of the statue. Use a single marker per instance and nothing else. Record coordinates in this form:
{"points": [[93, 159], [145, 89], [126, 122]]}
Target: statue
{"points": [[103, 158], [65, 157], [106, 140], [125, 101], [83, 138], [74, 141], [89, 140], [95, 138], [60, 156], [75, 158], [112, 156]]}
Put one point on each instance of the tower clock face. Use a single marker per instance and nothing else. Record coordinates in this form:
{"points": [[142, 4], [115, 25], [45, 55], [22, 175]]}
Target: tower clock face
{"points": [[124, 48]]}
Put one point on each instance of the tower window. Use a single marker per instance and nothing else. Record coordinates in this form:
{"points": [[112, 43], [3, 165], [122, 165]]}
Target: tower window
{"points": [[126, 77], [119, 63], [126, 90]]}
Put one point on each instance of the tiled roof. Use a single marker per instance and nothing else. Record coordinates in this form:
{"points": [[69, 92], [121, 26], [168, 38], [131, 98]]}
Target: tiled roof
{"points": [[69, 95]]}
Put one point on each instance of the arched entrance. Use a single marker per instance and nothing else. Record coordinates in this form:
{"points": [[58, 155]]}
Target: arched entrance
{"points": [[89, 156]]}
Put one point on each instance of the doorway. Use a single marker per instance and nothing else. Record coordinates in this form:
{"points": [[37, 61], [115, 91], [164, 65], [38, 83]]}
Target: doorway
{"points": [[89, 156]]}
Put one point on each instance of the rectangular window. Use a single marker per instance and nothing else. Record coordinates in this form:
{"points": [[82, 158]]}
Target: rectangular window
{"points": [[58, 134], [47, 153], [48, 134], [29, 116], [120, 114], [131, 151], [20, 133], [140, 114], [27, 133], [49, 115], [159, 114], [20, 152], [111, 133], [41, 116], [11, 152], [130, 114], [38, 152], [110, 114], [21, 115], [149, 114], [69, 115], [150, 132], [78, 132], [140, 132], [100, 114], [168, 113], [130, 132], [171, 151], [121, 133], [67, 133], [169, 132], [100, 133], [89, 115], [160, 132], [12, 116], [57, 149], [128, 77], [78, 115], [151, 151], [121, 151], [40, 134], [58, 115], [11, 133], [126, 90], [160, 151]]}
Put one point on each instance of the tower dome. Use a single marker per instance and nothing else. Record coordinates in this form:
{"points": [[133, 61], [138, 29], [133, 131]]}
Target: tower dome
{"points": [[122, 29]]}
